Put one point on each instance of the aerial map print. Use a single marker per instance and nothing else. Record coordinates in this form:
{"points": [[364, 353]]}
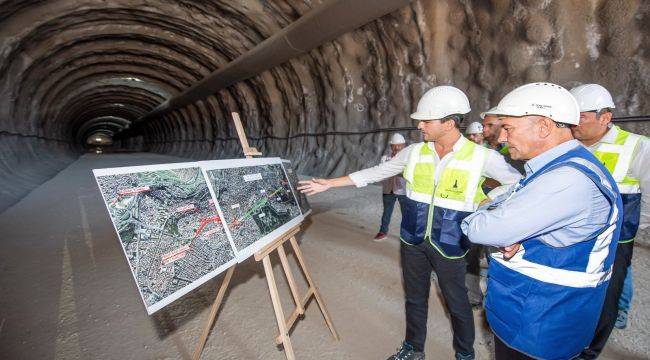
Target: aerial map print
{"points": [[293, 180], [256, 200], [168, 226]]}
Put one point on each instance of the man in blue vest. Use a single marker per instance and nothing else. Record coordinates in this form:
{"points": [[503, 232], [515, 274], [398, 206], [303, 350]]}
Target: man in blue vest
{"points": [[446, 171], [557, 230], [627, 157]]}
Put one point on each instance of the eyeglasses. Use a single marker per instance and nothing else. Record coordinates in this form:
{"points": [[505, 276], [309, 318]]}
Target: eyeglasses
{"points": [[562, 125]]}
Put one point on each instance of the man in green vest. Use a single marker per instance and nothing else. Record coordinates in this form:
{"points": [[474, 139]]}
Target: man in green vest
{"points": [[627, 157], [443, 185]]}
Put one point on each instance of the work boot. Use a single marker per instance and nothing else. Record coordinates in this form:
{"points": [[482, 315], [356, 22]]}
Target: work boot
{"points": [[621, 319], [465, 356], [407, 352], [380, 236], [476, 305]]}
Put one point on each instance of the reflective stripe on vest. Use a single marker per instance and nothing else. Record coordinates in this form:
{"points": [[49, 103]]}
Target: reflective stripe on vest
{"points": [[420, 173], [459, 185], [617, 158]]}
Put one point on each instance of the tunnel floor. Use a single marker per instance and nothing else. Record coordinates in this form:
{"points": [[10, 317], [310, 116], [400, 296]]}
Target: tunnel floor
{"points": [[67, 292]]}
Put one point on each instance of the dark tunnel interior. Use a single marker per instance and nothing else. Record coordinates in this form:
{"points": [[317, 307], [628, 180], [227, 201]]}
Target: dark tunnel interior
{"points": [[77, 76]]}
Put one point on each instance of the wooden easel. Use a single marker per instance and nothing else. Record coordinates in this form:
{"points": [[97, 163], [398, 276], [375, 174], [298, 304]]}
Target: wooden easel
{"points": [[284, 325]]}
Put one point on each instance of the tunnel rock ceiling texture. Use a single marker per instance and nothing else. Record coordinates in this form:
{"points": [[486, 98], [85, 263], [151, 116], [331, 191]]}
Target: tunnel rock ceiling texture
{"points": [[69, 69]]}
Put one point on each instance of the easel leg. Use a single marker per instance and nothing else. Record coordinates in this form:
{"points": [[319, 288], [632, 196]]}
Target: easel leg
{"points": [[319, 300], [277, 307], [290, 279], [213, 313]]}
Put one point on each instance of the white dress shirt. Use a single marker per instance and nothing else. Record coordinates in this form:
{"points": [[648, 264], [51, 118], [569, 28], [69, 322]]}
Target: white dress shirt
{"points": [[495, 167]]}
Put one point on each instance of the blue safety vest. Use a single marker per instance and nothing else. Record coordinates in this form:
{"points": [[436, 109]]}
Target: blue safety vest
{"points": [[546, 301]]}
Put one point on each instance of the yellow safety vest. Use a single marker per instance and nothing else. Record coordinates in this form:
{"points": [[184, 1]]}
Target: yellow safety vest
{"points": [[617, 158], [457, 191], [459, 186]]}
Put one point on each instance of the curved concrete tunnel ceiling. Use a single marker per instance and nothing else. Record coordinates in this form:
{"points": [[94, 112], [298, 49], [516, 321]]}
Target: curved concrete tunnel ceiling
{"points": [[69, 69]]}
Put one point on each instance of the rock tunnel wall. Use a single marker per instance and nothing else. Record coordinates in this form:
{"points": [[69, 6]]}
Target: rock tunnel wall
{"points": [[72, 68]]}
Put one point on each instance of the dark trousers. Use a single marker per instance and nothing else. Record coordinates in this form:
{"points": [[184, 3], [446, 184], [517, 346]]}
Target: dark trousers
{"points": [[417, 263], [389, 205], [503, 352], [610, 307], [473, 277]]}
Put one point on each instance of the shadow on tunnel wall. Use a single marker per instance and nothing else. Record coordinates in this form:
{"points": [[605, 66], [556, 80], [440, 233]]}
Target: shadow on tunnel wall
{"points": [[27, 162]]}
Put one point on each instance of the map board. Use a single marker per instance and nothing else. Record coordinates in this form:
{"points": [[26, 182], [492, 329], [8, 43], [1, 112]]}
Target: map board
{"points": [[256, 200], [169, 228], [305, 208]]}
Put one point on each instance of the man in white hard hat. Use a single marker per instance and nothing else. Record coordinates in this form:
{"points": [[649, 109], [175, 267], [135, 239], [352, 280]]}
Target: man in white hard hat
{"points": [[627, 157], [393, 188], [557, 231], [445, 170], [474, 132], [491, 133]]}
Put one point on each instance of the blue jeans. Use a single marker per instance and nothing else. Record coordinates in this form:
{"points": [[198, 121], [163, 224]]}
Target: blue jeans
{"points": [[625, 300], [389, 204]]}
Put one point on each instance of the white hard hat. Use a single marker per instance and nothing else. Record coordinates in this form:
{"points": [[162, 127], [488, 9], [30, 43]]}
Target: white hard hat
{"points": [[397, 138], [592, 97], [489, 112], [544, 99], [474, 128], [440, 102]]}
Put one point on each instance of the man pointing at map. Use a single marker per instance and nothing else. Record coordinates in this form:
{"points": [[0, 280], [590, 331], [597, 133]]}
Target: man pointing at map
{"points": [[443, 185]]}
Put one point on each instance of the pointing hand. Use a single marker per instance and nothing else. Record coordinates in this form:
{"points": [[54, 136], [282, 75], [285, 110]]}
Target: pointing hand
{"points": [[313, 186]]}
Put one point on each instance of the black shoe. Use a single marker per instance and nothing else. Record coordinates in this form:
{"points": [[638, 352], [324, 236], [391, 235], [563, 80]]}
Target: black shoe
{"points": [[407, 352], [465, 356]]}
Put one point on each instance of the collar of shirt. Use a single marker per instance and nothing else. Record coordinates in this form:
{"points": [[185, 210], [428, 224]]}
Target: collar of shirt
{"points": [[609, 137], [544, 158], [457, 145], [442, 163]]}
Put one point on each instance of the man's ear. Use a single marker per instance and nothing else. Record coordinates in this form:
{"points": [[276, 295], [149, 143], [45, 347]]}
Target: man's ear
{"points": [[605, 118], [448, 124], [545, 126]]}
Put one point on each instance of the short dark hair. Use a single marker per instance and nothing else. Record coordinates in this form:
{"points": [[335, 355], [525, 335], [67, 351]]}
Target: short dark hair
{"points": [[603, 111], [457, 118]]}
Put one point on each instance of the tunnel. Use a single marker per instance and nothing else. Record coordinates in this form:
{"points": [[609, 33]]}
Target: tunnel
{"points": [[71, 69], [324, 83]]}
